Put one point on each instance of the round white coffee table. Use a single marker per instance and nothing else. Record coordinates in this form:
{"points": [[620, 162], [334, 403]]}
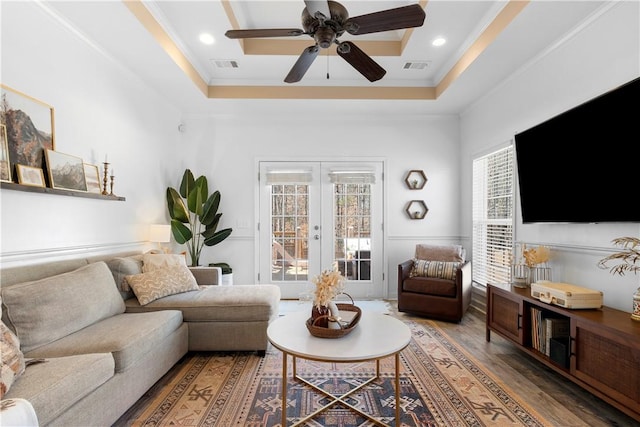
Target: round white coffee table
{"points": [[375, 337]]}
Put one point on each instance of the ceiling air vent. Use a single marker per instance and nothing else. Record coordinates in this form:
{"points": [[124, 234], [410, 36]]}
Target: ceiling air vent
{"points": [[415, 65], [225, 63]]}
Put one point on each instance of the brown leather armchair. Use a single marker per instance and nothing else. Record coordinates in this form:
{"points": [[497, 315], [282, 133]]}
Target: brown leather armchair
{"points": [[438, 290]]}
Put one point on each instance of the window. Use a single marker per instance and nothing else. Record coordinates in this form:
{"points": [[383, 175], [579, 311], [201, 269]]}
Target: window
{"points": [[492, 234]]}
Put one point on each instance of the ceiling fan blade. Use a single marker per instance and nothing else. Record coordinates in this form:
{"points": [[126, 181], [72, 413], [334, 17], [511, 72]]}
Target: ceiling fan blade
{"points": [[302, 64], [362, 62], [272, 32], [386, 20], [318, 6]]}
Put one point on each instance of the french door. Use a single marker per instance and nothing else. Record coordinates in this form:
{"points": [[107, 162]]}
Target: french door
{"points": [[316, 216]]}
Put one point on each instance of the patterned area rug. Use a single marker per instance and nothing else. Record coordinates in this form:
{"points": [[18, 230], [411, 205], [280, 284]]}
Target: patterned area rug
{"points": [[440, 385]]}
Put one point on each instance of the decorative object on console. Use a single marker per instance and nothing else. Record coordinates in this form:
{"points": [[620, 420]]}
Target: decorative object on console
{"points": [[29, 127], [536, 260], [194, 215], [629, 259], [65, 171]]}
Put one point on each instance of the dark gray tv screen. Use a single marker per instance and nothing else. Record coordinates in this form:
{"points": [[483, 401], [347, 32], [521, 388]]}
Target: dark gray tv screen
{"points": [[583, 166]]}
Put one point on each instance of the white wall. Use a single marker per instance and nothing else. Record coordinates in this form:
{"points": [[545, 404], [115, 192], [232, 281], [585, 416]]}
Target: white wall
{"points": [[592, 61], [100, 108], [227, 148]]}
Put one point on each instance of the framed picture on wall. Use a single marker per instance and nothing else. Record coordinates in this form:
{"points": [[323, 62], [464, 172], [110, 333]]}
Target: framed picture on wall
{"points": [[29, 126], [65, 171], [28, 175], [5, 166], [92, 178]]}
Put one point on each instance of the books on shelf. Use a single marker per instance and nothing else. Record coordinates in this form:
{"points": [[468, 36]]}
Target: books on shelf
{"points": [[544, 327]]}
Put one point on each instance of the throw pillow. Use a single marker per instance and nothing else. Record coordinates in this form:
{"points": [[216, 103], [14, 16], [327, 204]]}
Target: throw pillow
{"points": [[13, 364], [152, 262], [124, 266], [438, 269], [162, 282]]}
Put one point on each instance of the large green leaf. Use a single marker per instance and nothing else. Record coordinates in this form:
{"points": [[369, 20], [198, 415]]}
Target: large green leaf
{"points": [[210, 209], [195, 200], [176, 206], [217, 237], [181, 232], [187, 183]]}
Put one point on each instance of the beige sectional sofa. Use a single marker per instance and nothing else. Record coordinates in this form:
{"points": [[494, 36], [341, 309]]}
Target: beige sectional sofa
{"points": [[101, 350]]}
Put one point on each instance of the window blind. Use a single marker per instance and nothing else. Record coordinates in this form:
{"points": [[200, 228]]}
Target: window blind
{"points": [[288, 177], [352, 177], [492, 233]]}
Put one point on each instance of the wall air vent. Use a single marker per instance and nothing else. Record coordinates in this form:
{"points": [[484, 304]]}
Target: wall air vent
{"points": [[225, 63], [415, 65]]}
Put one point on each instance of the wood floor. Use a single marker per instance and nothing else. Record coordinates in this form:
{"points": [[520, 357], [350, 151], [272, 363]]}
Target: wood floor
{"points": [[555, 398]]}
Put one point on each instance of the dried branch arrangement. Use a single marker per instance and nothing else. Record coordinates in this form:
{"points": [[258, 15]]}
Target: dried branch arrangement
{"points": [[629, 257]]}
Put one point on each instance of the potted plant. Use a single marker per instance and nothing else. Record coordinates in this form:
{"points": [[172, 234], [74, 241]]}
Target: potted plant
{"points": [[629, 261], [194, 215]]}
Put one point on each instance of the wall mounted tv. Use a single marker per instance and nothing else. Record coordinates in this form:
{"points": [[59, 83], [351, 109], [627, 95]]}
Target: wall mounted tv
{"points": [[583, 166]]}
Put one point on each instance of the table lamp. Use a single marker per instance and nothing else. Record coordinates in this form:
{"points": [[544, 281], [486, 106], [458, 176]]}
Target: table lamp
{"points": [[160, 233]]}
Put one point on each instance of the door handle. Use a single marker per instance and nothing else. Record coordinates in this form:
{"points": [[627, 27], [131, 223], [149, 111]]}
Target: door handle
{"points": [[316, 237]]}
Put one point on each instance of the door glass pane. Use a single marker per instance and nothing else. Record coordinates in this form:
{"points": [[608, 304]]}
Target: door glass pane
{"points": [[352, 231], [289, 232]]}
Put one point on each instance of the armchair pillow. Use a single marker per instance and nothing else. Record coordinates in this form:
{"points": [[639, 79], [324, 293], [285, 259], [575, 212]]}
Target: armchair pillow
{"points": [[438, 269], [162, 282]]}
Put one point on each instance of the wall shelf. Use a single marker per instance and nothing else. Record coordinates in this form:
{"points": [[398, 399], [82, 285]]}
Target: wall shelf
{"points": [[56, 191], [417, 209], [415, 179]]}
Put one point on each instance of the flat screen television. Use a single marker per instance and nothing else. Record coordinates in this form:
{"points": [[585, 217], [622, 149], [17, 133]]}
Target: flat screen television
{"points": [[583, 166]]}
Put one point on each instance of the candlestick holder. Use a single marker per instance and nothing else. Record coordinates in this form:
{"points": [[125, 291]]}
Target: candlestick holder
{"points": [[104, 180], [111, 194]]}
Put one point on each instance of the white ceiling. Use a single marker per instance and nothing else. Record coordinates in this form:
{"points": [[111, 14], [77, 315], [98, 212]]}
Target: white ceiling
{"points": [[484, 47]]}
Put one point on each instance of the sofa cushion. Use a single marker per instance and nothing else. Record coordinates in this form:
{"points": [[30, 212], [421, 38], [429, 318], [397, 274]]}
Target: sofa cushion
{"points": [[439, 269], [151, 262], [159, 283], [430, 286], [440, 252], [240, 303], [46, 310], [121, 267], [58, 383], [128, 337], [12, 359]]}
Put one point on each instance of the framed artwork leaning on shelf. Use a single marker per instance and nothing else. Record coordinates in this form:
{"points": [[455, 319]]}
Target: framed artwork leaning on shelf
{"points": [[65, 171], [92, 178], [5, 165], [30, 127], [28, 175]]}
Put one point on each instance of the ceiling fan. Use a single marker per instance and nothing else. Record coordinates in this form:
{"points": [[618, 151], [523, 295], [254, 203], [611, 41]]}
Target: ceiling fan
{"points": [[325, 21]]}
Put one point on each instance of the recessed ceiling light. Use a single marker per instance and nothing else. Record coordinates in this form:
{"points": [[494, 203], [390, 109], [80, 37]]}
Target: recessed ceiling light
{"points": [[439, 41], [207, 38]]}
